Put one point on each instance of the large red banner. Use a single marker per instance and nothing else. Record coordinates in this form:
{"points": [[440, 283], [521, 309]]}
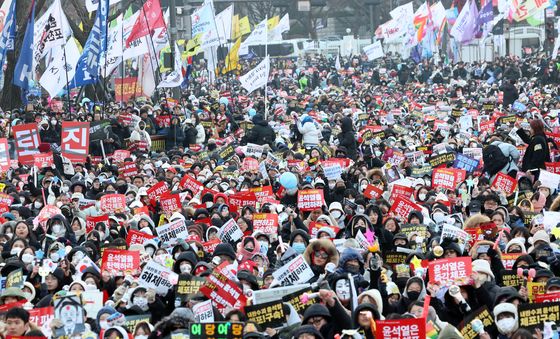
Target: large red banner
{"points": [[75, 140], [27, 142]]}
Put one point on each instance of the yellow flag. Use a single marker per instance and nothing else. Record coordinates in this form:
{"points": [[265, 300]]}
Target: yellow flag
{"points": [[192, 47], [244, 26], [272, 22], [232, 59], [235, 27]]}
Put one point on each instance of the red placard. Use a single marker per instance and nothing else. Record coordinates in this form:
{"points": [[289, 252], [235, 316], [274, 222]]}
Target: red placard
{"points": [[4, 155], [75, 140], [222, 290], [156, 191], [265, 222], [446, 178], [191, 184], [210, 246], [414, 328], [450, 270], [129, 169], [137, 237], [555, 137], [4, 208], [120, 261], [27, 142], [250, 165], [263, 194], [120, 155], [42, 160], [372, 192], [92, 221], [300, 165], [401, 191], [6, 199], [170, 203], [314, 228], [309, 200], [113, 203], [487, 126], [403, 207], [548, 297], [243, 199], [553, 167], [163, 121], [127, 88], [505, 183], [508, 259], [42, 315]]}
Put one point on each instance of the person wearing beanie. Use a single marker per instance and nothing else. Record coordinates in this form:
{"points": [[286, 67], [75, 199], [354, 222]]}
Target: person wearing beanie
{"points": [[116, 332], [185, 263], [307, 332], [101, 318], [328, 319], [484, 282], [505, 317], [299, 241], [516, 245], [225, 252], [362, 317]]}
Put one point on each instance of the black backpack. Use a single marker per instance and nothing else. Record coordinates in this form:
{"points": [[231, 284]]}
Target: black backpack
{"points": [[494, 159]]}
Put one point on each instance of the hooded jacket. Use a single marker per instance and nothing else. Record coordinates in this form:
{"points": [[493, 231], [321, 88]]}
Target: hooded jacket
{"points": [[261, 133], [316, 245], [140, 135], [366, 332], [309, 130], [347, 138]]}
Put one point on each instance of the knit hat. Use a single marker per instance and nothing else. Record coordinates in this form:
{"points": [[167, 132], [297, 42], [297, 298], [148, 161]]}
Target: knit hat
{"points": [[517, 241], [316, 310], [505, 307], [105, 310], [482, 266], [225, 249], [307, 329], [539, 236]]}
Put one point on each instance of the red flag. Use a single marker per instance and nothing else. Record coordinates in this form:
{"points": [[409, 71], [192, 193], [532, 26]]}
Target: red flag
{"points": [[150, 18]]}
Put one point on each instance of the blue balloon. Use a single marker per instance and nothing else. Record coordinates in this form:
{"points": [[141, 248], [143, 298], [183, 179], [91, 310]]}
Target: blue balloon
{"points": [[288, 180], [252, 112], [224, 100]]}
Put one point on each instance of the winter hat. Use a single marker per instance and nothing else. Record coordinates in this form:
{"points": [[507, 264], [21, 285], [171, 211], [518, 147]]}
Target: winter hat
{"points": [[105, 310], [307, 329], [316, 310], [32, 288], [225, 249], [539, 236], [327, 230], [482, 266], [505, 307], [517, 241]]}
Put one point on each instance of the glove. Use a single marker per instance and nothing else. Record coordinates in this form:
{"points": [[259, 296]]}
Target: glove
{"points": [[129, 279], [151, 295], [119, 292]]}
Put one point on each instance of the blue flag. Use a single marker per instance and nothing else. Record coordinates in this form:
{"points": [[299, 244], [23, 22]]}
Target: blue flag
{"points": [[8, 34], [24, 66], [486, 14], [87, 69]]}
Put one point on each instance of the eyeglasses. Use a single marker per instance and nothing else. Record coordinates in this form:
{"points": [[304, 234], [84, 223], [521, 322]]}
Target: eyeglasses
{"points": [[321, 254], [315, 321]]}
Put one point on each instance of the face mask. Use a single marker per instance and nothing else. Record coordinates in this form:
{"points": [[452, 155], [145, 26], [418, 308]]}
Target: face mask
{"points": [[185, 268], [331, 186], [413, 295], [104, 325], [150, 251], [506, 325], [514, 218], [353, 269], [342, 289], [37, 205], [488, 211], [141, 336], [10, 235], [208, 204], [264, 246], [91, 287], [16, 250], [55, 257], [57, 228], [27, 258], [363, 188], [299, 247], [53, 122], [77, 257], [141, 302], [340, 189], [360, 209], [422, 196]]}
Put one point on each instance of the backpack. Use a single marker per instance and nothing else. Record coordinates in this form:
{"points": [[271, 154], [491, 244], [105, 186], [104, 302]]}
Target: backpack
{"points": [[494, 159]]}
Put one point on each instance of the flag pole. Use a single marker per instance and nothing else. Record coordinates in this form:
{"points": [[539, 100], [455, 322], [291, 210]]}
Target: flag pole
{"points": [[151, 44], [266, 83], [66, 63]]}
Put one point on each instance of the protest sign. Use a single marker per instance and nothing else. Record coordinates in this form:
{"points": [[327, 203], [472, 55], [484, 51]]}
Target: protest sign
{"points": [[250, 165], [314, 228], [210, 246], [188, 284], [482, 314], [227, 330], [27, 141], [254, 151], [444, 178], [550, 180], [4, 155], [15, 279], [263, 194], [453, 232], [243, 199], [535, 288], [402, 207], [230, 231], [552, 167], [129, 169], [508, 259], [132, 320], [137, 237], [310, 199], [42, 317], [191, 184], [120, 261], [548, 297], [294, 299], [226, 152], [533, 315], [266, 223], [170, 203], [401, 329], [297, 271], [504, 183], [91, 221], [203, 312], [176, 229], [75, 138], [158, 277], [112, 203], [157, 190], [450, 270], [395, 258], [120, 155], [92, 302], [401, 191], [266, 315], [69, 310], [510, 278], [465, 162], [373, 192], [438, 160], [332, 170], [43, 160], [222, 290]]}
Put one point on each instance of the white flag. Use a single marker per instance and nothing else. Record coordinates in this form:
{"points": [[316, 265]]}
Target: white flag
{"points": [[175, 77], [374, 51], [54, 78], [146, 74], [275, 34], [257, 37], [51, 30], [223, 23], [113, 57], [137, 47], [257, 77], [337, 63]]}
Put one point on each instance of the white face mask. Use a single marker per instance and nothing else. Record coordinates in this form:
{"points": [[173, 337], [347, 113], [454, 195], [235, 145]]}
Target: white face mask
{"points": [[507, 325], [342, 289], [56, 228], [336, 214], [103, 324], [53, 122], [141, 302], [16, 250], [185, 268], [27, 258], [141, 337], [55, 257], [37, 205], [10, 235], [363, 187], [422, 196]]}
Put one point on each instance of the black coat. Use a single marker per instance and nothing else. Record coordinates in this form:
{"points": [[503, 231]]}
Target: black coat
{"points": [[190, 136], [261, 133], [537, 152], [347, 138], [510, 94]]}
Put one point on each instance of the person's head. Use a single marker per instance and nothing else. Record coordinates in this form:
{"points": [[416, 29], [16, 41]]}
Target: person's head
{"points": [[17, 321], [416, 308], [317, 315], [498, 218], [320, 257], [505, 315], [142, 330], [536, 127]]}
